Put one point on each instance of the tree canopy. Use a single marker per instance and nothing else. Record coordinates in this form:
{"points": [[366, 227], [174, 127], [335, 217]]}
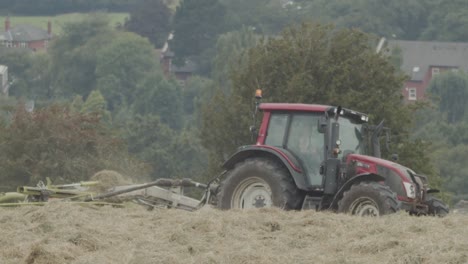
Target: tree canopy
{"points": [[197, 24], [451, 91], [59, 143], [151, 19]]}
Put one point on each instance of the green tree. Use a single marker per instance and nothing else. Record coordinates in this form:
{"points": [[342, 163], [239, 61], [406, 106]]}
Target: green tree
{"points": [[451, 89], [401, 18], [151, 141], [150, 19], [58, 143], [189, 154], [28, 73], [231, 49], [94, 104], [158, 96], [74, 55], [197, 24], [447, 21], [264, 16], [121, 66]]}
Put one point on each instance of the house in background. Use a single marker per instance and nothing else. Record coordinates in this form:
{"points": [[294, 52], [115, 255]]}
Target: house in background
{"points": [[25, 36], [181, 73], [423, 60]]}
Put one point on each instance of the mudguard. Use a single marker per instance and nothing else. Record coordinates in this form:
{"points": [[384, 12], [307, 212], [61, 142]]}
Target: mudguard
{"points": [[356, 179], [279, 155]]}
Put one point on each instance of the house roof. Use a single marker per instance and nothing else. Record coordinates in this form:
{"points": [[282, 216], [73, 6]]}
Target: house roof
{"points": [[419, 56], [24, 33]]}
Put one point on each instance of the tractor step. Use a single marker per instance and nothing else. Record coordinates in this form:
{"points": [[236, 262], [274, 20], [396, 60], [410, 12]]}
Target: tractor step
{"points": [[311, 202]]}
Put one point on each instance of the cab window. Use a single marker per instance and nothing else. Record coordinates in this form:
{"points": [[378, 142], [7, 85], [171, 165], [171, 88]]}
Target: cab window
{"points": [[276, 130]]}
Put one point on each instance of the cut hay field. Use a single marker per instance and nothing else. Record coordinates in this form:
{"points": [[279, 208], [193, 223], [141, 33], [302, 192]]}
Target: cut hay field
{"points": [[64, 233], [59, 20]]}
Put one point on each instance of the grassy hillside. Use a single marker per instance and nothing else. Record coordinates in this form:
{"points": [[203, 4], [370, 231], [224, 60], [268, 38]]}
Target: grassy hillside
{"points": [[58, 21], [61, 233]]}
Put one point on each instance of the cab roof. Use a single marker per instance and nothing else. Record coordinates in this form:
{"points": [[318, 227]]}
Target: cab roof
{"points": [[294, 107], [354, 115]]}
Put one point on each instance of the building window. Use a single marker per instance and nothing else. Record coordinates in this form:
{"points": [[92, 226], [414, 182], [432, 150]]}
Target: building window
{"points": [[435, 71], [23, 44], [412, 94], [8, 44]]}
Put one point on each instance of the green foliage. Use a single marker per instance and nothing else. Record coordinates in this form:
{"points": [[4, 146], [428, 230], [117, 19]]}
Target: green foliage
{"points": [[150, 19], [52, 7], [447, 21], [197, 24], [94, 104], [264, 16], [74, 56], [57, 143], [194, 94], [452, 90], [158, 96], [121, 66], [169, 153], [150, 140], [231, 52], [84, 60], [401, 18], [446, 126], [189, 156], [7, 108], [396, 57], [28, 73]]}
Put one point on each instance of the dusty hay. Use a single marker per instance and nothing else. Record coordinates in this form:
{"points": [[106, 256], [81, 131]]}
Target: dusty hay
{"points": [[66, 233], [108, 179]]}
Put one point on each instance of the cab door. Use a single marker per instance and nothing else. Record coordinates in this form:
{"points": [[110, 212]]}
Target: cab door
{"points": [[307, 144]]}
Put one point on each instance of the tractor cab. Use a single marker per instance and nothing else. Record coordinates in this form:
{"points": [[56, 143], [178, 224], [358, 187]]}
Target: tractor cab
{"points": [[312, 134]]}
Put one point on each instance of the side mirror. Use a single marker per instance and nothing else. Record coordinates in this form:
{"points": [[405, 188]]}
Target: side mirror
{"points": [[322, 124]]}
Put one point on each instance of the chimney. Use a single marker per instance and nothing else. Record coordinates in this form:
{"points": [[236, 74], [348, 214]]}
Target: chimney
{"points": [[49, 29], [7, 24]]}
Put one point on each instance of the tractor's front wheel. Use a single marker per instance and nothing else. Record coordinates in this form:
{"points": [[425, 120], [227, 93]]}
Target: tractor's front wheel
{"points": [[258, 183], [369, 199], [436, 207]]}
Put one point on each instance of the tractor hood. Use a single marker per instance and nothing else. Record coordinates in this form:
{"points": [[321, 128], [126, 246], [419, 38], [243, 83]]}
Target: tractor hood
{"points": [[404, 181], [371, 160], [371, 164]]}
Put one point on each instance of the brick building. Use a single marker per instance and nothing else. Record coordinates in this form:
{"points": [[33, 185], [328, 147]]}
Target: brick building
{"points": [[25, 36], [422, 60]]}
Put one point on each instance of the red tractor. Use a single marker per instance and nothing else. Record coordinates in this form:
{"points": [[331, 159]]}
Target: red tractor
{"points": [[314, 157]]}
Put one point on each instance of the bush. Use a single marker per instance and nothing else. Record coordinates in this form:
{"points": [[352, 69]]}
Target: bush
{"points": [[58, 143]]}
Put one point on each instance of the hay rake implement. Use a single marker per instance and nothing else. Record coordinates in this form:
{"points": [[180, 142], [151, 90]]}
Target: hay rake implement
{"points": [[162, 193]]}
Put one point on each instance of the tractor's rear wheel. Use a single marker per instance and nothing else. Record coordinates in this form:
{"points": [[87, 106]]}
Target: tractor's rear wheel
{"points": [[436, 207], [258, 183], [369, 199]]}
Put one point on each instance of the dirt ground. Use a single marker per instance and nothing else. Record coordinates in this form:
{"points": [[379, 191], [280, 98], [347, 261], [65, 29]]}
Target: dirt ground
{"points": [[66, 233]]}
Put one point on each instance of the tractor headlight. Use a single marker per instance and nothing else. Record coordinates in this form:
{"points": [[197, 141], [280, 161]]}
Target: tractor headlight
{"points": [[410, 190], [362, 165]]}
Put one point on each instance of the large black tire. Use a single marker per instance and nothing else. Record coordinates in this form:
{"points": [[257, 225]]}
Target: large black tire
{"points": [[257, 183], [369, 199], [436, 207]]}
